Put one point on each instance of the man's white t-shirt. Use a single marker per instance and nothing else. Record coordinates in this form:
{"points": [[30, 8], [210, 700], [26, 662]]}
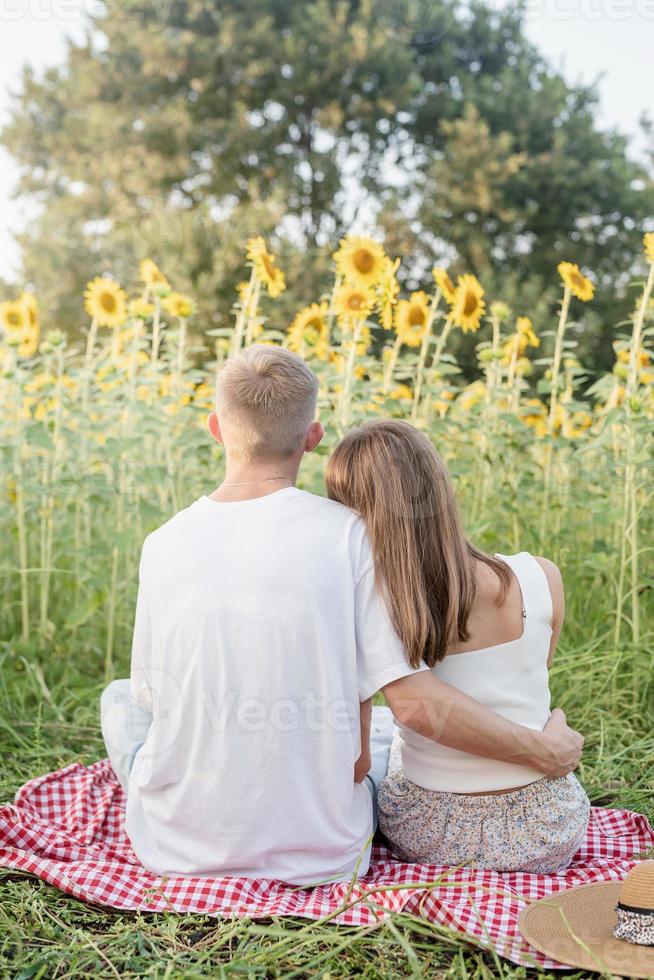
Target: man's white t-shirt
{"points": [[258, 632]]}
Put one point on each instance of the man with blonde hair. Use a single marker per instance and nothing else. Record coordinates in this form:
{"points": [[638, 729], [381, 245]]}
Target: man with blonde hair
{"points": [[241, 736]]}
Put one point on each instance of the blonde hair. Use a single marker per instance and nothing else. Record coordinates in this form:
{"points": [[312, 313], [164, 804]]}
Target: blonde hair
{"points": [[266, 402], [393, 477]]}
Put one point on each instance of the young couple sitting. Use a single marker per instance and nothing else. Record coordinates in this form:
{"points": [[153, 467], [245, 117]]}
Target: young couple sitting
{"points": [[268, 617]]}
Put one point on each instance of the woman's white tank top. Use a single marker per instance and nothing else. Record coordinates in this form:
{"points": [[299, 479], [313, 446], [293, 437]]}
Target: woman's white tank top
{"points": [[510, 678]]}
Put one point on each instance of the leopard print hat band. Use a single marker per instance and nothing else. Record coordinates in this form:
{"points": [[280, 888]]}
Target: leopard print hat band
{"points": [[635, 908], [634, 925]]}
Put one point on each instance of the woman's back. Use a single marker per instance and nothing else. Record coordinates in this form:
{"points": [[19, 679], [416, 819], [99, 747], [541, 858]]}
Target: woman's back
{"points": [[502, 664], [461, 612]]}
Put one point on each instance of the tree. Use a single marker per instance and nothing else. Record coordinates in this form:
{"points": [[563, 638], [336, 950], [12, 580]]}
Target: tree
{"points": [[178, 131], [215, 119]]}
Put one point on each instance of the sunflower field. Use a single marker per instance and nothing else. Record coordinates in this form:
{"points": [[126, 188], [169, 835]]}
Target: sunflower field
{"points": [[102, 440]]}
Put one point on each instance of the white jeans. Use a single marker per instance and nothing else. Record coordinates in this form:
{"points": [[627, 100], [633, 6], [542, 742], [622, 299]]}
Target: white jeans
{"points": [[125, 726], [381, 738]]}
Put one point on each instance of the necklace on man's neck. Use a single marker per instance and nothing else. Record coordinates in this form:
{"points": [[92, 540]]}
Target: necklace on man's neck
{"points": [[251, 483]]}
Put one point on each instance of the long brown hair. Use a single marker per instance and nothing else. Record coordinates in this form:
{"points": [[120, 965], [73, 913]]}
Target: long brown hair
{"points": [[393, 477]]}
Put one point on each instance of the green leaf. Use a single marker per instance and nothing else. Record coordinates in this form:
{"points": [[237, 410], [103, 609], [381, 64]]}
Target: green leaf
{"points": [[85, 610]]}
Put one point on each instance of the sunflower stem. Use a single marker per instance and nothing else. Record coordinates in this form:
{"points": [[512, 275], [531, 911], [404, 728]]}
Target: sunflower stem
{"points": [[243, 314], [21, 529], [181, 347], [556, 362], [636, 337], [512, 380], [493, 380], [90, 344], [346, 394], [422, 358], [133, 359], [391, 365], [115, 556], [331, 312], [495, 374], [156, 330], [440, 345], [51, 470], [88, 360], [554, 399], [253, 319], [513, 363], [629, 552], [115, 344]]}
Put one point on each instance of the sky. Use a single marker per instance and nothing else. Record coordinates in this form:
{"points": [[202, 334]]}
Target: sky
{"points": [[609, 40]]}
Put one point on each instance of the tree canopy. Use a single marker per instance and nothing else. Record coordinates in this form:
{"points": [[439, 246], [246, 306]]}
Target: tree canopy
{"points": [[177, 130]]}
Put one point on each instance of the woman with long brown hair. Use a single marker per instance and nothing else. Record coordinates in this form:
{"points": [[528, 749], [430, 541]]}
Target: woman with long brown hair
{"points": [[486, 624]]}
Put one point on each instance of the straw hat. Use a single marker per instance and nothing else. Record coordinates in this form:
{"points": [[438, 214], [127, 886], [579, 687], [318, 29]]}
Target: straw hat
{"points": [[607, 927]]}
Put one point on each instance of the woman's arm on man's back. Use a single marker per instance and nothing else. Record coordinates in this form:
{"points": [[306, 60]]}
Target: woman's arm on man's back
{"points": [[443, 714], [363, 763]]}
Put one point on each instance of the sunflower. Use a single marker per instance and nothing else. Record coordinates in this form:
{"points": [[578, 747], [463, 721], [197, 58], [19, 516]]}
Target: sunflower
{"points": [[123, 347], [310, 330], [264, 266], [401, 393], [387, 289], [43, 381], [363, 343], [642, 358], [29, 342], [360, 261], [501, 310], [203, 396], [411, 319], [29, 302], [525, 330], [534, 414], [108, 377], [152, 275], [20, 321], [472, 395], [178, 305], [445, 284], [443, 404], [140, 309], [350, 301], [105, 302], [248, 300], [576, 281], [575, 425], [648, 244], [14, 316], [510, 349], [469, 306]]}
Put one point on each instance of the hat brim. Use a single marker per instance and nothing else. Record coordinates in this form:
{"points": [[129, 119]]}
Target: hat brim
{"points": [[576, 926]]}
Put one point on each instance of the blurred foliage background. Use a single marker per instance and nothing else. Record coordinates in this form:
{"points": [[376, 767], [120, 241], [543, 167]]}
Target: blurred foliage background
{"points": [[178, 129]]}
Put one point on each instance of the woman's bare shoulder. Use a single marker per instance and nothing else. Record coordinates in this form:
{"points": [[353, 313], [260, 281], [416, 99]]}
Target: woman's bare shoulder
{"points": [[555, 582], [489, 585], [552, 571]]}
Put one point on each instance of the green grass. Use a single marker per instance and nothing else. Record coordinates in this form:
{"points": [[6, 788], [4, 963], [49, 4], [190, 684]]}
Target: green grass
{"points": [[49, 718], [79, 489]]}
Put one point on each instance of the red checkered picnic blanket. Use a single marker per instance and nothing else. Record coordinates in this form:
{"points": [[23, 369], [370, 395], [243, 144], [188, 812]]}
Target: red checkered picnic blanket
{"points": [[67, 828]]}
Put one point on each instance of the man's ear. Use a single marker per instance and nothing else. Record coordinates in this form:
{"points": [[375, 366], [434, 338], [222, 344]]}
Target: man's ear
{"points": [[213, 426], [314, 436]]}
